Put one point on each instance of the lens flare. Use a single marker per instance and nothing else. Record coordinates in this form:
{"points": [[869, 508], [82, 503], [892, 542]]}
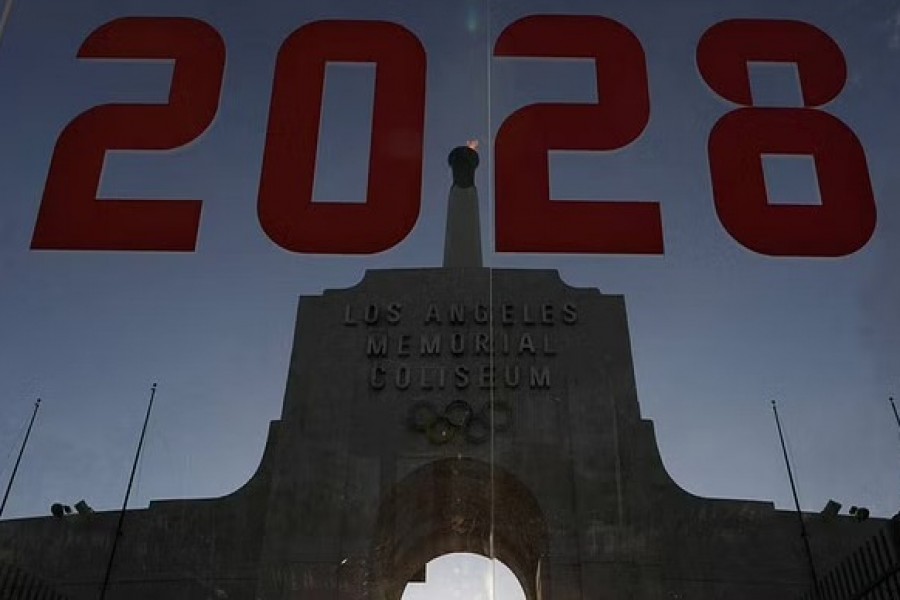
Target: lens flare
{"points": [[472, 19]]}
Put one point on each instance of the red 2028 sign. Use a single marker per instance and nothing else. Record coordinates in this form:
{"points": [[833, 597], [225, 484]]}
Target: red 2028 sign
{"points": [[527, 220]]}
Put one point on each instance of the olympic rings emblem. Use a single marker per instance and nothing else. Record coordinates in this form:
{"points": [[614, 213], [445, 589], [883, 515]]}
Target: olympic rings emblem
{"points": [[458, 415]]}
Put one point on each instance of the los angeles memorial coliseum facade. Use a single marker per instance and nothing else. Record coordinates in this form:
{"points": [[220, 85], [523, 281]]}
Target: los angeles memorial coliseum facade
{"points": [[421, 405]]}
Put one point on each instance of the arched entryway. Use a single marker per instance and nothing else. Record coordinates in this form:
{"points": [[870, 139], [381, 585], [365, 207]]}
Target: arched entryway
{"points": [[456, 505]]}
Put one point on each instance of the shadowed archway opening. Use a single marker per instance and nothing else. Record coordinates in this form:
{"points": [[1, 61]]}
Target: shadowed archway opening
{"points": [[457, 506], [465, 576]]}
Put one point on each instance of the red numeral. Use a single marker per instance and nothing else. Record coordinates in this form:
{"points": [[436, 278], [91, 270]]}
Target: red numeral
{"points": [[71, 217], [286, 210], [845, 220], [528, 220]]}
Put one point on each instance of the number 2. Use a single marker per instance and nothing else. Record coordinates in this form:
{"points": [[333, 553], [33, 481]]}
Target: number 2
{"points": [[528, 220], [71, 217]]}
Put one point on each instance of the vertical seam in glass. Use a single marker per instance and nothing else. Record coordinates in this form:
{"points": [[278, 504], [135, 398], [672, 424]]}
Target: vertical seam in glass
{"points": [[491, 243]]}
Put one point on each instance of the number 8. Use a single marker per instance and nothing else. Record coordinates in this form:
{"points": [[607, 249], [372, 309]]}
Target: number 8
{"points": [[845, 220]]}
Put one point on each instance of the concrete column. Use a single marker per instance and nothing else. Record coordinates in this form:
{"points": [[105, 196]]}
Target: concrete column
{"points": [[462, 242]]}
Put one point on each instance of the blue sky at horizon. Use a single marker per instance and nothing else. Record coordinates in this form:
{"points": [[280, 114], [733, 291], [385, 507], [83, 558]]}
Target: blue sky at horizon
{"points": [[717, 331]]}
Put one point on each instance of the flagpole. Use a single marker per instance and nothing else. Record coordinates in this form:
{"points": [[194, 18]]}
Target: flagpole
{"points": [[12, 477], [4, 17], [803, 534], [896, 416], [118, 534]]}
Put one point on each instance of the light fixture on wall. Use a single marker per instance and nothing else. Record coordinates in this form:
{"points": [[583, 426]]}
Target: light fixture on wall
{"points": [[860, 512]]}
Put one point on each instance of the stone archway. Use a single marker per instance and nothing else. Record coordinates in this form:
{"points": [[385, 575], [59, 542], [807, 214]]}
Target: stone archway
{"points": [[448, 506]]}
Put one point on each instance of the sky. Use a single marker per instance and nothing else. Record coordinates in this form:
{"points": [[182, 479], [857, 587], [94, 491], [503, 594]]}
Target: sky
{"points": [[717, 330], [459, 576]]}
